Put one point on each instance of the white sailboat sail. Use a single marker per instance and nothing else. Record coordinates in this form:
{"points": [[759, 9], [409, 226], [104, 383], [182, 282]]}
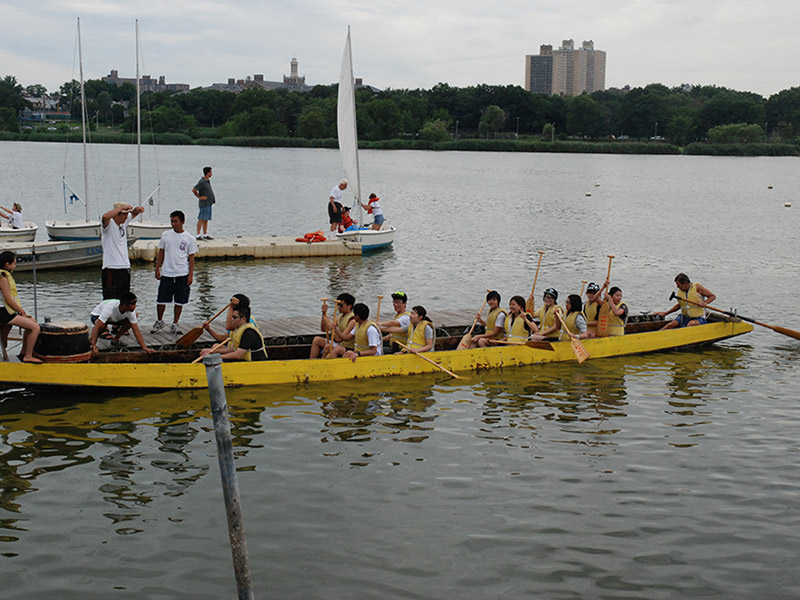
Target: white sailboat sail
{"points": [[369, 239]]}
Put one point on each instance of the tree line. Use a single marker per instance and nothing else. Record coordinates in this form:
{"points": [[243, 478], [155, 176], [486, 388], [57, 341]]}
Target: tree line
{"points": [[680, 115]]}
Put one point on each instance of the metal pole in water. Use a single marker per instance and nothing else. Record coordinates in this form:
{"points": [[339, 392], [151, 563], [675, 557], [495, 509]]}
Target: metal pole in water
{"points": [[35, 304], [230, 485]]}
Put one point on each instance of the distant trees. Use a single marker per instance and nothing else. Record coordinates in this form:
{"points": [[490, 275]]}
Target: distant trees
{"points": [[683, 114], [741, 133]]}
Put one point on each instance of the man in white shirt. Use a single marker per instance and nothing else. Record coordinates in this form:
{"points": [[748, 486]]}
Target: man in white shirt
{"points": [[116, 277], [335, 205], [121, 313], [174, 271]]}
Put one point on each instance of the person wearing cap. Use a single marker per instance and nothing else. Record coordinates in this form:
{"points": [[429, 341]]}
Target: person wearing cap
{"points": [[347, 221], [373, 207], [548, 325], [591, 310], [14, 215], [116, 270], [494, 323], [341, 329], [618, 313], [335, 205], [400, 323], [691, 314]]}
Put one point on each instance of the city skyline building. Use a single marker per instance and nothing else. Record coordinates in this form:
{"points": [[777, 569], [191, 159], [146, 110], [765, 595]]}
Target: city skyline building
{"points": [[566, 71]]}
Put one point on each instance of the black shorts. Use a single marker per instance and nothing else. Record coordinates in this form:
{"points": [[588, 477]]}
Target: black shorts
{"points": [[115, 283], [173, 289], [5, 316], [335, 217]]}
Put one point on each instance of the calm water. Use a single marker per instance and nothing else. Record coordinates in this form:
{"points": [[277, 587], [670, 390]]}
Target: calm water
{"points": [[663, 476]]}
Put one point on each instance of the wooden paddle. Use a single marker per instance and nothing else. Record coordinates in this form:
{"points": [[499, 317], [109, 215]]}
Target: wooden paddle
{"points": [[776, 328], [378, 312], [583, 286], [214, 347], [464, 343], [325, 315], [426, 359], [539, 345], [602, 314], [530, 304], [195, 332]]}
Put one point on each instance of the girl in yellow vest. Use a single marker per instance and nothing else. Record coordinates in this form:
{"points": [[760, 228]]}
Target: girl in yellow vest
{"points": [[548, 325], [618, 315], [494, 323], [421, 333], [368, 337], [591, 310], [518, 324], [691, 315], [12, 314], [574, 320]]}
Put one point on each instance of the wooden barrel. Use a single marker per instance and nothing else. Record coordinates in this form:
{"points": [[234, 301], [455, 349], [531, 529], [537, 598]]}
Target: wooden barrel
{"points": [[63, 342]]}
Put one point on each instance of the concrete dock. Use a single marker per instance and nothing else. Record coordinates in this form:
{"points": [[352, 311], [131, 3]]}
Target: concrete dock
{"points": [[253, 247]]}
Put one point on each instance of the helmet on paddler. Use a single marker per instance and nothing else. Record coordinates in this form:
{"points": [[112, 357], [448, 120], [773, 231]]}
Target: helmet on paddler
{"points": [[550, 292], [592, 288]]}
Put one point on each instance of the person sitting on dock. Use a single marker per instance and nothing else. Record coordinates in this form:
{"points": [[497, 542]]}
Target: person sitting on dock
{"points": [[373, 207], [574, 321], [121, 313], [400, 323], [591, 310], [14, 215], [341, 329], [11, 313], [174, 271], [692, 312], [368, 340], [335, 205], [548, 325], [246, 341], [420, 335], [494, 323]]}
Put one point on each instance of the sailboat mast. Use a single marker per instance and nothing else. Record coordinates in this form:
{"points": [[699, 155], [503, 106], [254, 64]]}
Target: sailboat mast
{"points": [[83, 126], [138, 121]]}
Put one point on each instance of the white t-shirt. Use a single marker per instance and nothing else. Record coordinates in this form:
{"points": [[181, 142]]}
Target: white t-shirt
{"points": [[115, 244], [374, 338], [108, 312], [336, 192], [15, 220], [376, 207], [500, 321], [405, 321], [177, 249]]}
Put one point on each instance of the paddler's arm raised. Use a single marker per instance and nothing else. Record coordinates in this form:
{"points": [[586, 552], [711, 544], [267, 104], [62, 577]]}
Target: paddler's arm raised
{"points": [[217, 336], [528, 318]]}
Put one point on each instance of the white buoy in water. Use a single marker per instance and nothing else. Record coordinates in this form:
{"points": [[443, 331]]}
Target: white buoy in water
{"points": [[787, 204], [769, 187], [588, 194], [596, 185]]}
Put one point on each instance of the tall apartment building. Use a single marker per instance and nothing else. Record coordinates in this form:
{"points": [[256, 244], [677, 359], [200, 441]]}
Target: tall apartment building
{"points": [[566, 71]]}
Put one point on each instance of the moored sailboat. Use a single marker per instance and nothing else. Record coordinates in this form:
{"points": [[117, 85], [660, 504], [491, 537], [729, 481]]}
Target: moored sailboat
{"points": [[370, 239]]}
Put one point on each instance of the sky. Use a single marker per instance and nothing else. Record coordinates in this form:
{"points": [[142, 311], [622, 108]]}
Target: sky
{"points": [[746, 45]]}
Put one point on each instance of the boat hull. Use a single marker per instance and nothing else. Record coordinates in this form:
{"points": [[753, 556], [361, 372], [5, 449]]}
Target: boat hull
{"points": [[147, 231], [73, 230], [185, 375], [370, 239], [26, 234]]}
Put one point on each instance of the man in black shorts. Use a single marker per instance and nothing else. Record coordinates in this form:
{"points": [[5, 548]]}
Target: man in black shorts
{"points": [[335, 205]]}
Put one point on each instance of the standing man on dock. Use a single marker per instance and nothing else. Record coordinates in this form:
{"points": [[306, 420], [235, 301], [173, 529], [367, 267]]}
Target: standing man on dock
{"points": [[335, 205], [205, 196], [116, 274], [174, 271]]}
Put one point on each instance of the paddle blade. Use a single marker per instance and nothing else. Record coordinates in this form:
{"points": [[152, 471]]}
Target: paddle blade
{"points": [[602, 320], [190, 338], [464, 343], [790, 332], [578, 350], [542, 345], [529, 306]]}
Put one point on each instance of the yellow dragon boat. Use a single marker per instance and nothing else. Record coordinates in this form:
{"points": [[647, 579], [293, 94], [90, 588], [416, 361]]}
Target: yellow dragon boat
{"points": [[106, 373]]}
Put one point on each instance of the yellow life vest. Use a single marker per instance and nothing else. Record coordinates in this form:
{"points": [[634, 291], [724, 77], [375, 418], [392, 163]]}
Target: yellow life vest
{"points": [[616, 325], [236, 339], [591, 311], [361, 339], [492, 319], [515, 331], [547, 318], [401, 337], [12, 288], [690, 310], [570, 324], [416, 335], [341, 324]]}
